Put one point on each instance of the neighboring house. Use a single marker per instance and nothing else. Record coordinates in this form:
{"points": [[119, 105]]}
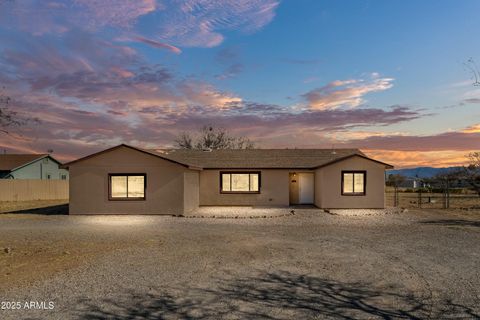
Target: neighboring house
{"points": [[129, 180], [31, 166], [412, 183]]}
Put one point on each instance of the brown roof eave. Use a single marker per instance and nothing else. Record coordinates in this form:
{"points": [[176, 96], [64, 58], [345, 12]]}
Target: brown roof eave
{"points": [[68, 164], [260, 168], [387, 166], [43, 156]]}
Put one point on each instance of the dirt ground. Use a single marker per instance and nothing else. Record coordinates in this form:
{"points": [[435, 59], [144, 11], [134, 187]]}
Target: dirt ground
{"points": [[413, 265]]}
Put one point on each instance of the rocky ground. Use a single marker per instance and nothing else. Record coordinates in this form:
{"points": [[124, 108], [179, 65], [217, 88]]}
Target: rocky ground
{"points": [[313, 264]]}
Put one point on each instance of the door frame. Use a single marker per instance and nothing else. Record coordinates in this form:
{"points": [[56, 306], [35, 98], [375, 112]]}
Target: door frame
{"points": [[294, 189]]}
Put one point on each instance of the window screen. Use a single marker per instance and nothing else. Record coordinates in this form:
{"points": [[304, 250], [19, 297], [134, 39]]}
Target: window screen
{"points": [[128, 186], [353, 182], [240, 182]]}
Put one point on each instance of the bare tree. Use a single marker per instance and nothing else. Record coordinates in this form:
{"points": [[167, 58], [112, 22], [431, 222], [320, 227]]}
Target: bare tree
{"points": [[395, 180], [471, 66], [471, 173], [212, 138], [184, 141], [8, 118], [445, 180]]}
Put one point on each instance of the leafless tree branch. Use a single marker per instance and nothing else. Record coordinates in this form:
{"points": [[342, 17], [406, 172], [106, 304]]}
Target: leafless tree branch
{"points": [[212, 138], [471, 66], [8, 117]]}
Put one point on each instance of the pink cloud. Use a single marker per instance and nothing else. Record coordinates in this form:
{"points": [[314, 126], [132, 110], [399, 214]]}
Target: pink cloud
{"points": [[347, 93], [194, 23], [68, 122], [205, 94], [43, 17], [90, 88], [72, 131], [157, 44], [121, 13], [199, 23]]}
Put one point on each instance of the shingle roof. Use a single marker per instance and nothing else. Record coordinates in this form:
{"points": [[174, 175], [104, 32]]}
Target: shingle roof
{"points": [[246, 159], [8, 162], [256, 158]]}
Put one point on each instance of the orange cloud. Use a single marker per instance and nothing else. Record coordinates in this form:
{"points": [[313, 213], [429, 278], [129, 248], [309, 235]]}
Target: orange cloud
{"points": [[405, 159], [345, 136], [472, 129], [203, 93]]}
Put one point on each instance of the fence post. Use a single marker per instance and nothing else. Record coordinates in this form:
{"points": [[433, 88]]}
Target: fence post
{"points": [[395, 196], [448, 195], [420, 198]]}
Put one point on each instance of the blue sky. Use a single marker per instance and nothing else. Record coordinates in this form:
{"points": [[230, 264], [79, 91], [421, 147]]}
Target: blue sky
{"points": [[385, 76]]}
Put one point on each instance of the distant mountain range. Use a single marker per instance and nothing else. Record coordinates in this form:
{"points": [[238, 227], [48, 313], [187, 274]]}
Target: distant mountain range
{"points": [[421, 172]]}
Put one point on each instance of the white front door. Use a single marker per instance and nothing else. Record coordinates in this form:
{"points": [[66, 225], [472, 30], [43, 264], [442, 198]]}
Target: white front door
{"points": [[306, 183]]}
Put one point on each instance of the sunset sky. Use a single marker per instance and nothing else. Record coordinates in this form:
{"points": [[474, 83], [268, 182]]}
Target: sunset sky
{"points": [[388, 77]]}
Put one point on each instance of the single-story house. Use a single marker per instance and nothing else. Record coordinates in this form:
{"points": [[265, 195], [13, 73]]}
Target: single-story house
{"points": [[31, 166], [130, 180]]}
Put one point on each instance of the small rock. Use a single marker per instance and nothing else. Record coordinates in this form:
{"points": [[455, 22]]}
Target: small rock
{"points": [[66, 252], [7, 250]]}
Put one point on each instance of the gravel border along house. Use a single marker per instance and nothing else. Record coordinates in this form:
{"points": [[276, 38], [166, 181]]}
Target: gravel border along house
{"points": [[130, 180]]}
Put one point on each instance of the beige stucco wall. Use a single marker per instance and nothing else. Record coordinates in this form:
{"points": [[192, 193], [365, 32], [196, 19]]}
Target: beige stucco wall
{"points": [[328, 185], [191, 197], [89, 184], [274, 190], [175, 189]]}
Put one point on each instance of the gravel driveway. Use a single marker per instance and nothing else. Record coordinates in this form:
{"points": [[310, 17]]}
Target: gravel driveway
{"points": [[311, 265]]}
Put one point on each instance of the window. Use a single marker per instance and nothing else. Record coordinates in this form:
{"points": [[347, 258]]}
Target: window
{"points": [[127, 186], [240, 182], [353, 183], [49, 176], [64, 177]]}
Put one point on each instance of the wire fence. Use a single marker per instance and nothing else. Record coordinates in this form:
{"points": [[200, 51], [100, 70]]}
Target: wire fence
{"points": [[433, 200]]}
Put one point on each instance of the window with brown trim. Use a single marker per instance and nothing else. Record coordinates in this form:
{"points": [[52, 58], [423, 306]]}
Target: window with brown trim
{"points": [[127, 186], [354, 183], [240, 182]]}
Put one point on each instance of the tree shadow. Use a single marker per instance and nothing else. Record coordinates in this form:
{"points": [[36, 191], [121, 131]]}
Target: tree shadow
{"points": [[61, 209], [280, 295], [453, 222]]}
